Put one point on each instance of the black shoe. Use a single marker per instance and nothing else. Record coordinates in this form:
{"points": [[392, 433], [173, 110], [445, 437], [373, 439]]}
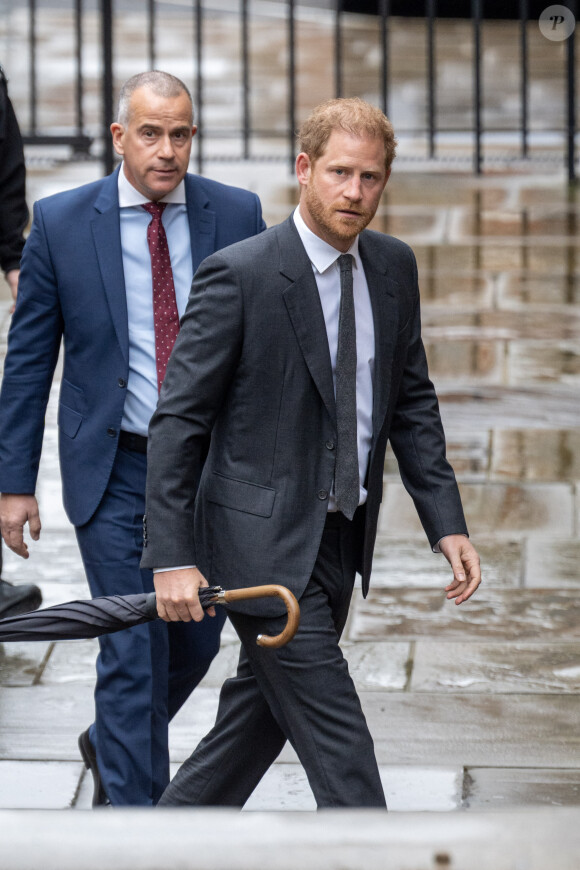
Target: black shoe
{"points": [[89, 757], [18, 599]]}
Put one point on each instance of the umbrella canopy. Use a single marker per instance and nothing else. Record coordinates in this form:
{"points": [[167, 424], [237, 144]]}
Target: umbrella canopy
{"points": [[110, 613]]}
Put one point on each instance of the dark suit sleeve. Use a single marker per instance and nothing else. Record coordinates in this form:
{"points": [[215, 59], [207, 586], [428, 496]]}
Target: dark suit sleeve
{"points": [[33, 346], [200, 370], [418, 440], [13, 208]]}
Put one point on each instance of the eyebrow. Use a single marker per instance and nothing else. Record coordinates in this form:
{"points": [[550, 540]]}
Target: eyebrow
{"points": [[157, 128]]}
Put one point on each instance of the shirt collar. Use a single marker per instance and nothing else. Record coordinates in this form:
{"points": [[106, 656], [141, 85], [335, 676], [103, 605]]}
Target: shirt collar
{"points": [[320, 253], [130, 196]]}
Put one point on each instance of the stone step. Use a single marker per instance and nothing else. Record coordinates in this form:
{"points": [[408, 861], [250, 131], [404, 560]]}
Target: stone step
{"points": [[328, 840]]}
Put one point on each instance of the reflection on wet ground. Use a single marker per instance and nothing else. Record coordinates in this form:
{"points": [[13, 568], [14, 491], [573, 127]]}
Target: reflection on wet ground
{"points": [[474, 707]]}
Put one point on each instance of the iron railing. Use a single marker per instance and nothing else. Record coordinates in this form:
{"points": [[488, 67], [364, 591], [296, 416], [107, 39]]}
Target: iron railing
{"points": [[81, 142]]}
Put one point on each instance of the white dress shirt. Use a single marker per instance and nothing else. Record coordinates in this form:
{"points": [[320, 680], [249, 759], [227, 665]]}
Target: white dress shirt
{"points": [[142, 390], [323, 258]]}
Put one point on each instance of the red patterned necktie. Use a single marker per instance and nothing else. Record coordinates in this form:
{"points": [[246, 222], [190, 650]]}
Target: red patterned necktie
{"points": [[165, 314]]}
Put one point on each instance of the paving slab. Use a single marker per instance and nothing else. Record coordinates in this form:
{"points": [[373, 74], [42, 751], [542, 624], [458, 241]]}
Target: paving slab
{"points": [[42, 723], [407, 788], [21, 663], [445, 290], [502, 509], [33, 785], [549, 455], [553, 361], [410, 563], [53, 559], [540, 290], [562, 323], [434, 728], [496, 668], [539, 407], [490, 788], [545, 615], [552, 563], [58, 784], [469, 358], [378, 667], [71, 661], [223, 666], [553, 220]]}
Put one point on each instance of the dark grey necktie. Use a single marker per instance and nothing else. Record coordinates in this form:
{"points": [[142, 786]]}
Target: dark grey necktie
{"points": [[346, 473]]}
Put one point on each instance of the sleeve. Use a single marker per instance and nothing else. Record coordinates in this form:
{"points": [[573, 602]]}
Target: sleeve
{"points": [[201, 367], [418, 441], [13, 208], [33, 346]]}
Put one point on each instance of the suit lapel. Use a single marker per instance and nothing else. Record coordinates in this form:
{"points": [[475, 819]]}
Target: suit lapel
{"points": [[305, 311], [106, 230], [202, 221], [386, 324]]}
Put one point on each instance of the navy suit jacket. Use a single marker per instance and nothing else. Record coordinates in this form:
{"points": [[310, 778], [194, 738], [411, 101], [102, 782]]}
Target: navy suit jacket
{"points": [[248, 407], [72, 289]]}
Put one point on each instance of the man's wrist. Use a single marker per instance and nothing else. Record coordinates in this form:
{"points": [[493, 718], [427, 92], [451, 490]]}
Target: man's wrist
{"points": [[436, 547]]}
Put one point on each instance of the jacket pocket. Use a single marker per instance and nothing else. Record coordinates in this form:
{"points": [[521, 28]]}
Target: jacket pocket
{"points": [[240, 495], [72, 396], [69, 421]]}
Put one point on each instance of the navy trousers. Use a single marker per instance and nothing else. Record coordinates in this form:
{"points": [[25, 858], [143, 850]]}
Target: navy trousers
{"points": [[144, 674], [302, 692]]}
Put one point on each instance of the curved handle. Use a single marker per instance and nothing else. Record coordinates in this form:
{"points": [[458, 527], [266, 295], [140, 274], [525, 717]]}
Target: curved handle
{"points": [[270, 591]]}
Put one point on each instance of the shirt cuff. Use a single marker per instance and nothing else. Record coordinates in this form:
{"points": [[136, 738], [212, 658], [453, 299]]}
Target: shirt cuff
{"points": [[177, 568]]}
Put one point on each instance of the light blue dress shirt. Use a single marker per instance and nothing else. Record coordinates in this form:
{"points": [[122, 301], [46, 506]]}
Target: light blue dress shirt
{"points": [[142, 391]]}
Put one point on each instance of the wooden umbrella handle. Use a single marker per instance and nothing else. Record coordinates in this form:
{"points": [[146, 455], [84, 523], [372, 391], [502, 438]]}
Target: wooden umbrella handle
{"points": [[270, 591]]}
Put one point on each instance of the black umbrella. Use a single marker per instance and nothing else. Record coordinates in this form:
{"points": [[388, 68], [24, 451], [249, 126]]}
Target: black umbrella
{"points": [[110, 613]]}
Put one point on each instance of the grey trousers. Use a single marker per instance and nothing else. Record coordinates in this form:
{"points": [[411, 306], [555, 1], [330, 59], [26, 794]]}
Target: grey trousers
{"points": [[302, 693]]}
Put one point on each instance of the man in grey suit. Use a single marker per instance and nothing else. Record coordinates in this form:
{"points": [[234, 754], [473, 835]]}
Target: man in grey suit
{"points": [[299, 355]]}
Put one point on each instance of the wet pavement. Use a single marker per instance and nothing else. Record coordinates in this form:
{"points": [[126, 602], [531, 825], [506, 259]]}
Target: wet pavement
{"points": [[473, 709]]}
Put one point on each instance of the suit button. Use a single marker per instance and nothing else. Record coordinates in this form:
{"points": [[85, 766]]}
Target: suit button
{"points": [[112, 433], [322, 494], [329, 445], [122, 382]]}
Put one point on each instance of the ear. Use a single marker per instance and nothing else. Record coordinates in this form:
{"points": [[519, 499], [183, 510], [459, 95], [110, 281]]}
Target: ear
{"points": [[193, 130], [387, 176], [117, 132], [303, 168]]}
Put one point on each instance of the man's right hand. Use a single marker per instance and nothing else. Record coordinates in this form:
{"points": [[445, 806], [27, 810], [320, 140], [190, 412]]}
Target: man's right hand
{"points": [[15, 512], [177, 595]]}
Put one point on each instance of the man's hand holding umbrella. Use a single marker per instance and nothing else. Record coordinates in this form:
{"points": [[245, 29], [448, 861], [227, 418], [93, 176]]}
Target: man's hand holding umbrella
{"points": [[177, 594]]}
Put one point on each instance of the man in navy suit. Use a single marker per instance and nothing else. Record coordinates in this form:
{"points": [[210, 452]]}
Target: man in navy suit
{"points": [[87, 279]]}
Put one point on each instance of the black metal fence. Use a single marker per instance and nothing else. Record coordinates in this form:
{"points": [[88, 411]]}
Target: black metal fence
{"points": [[432, 128]]}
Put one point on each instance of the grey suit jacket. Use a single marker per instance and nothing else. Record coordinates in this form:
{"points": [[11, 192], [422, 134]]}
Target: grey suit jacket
{"points": [[242, 445]]}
